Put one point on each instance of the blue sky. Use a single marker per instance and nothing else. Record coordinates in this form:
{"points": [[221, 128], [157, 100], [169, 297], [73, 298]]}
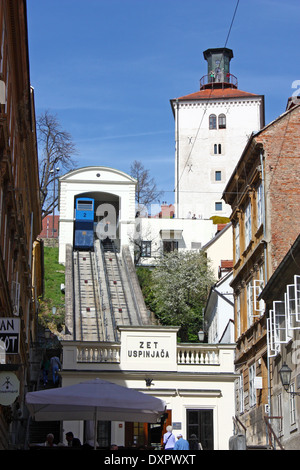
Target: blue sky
{"points": [[108, 68]]}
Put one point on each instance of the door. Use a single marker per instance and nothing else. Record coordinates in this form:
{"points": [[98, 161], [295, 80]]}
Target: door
{"points": [[200, 422]]}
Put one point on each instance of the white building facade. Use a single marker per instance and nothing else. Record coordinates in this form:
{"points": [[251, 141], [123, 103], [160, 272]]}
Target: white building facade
{"points": [[157, 236], [212, 127], [219, 312], [196, 381], [112, 190]]}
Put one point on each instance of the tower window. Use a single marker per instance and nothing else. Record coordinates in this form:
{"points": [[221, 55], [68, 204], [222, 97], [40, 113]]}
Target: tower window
{"points": [[213, 121], [218, 175], [222, 121], [217, 149], [218, 206]]}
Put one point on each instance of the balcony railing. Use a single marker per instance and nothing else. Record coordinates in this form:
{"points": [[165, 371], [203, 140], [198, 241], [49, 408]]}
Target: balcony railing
{"points": [[227, 81], [86, 355], [198, 354], [98, 353]]}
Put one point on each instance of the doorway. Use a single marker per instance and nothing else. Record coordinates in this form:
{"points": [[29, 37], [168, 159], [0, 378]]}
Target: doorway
{"points": [[200, 423], [144, 435]]}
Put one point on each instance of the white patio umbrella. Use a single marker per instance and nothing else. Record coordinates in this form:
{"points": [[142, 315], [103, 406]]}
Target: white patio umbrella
{"points": [[94, 400]]}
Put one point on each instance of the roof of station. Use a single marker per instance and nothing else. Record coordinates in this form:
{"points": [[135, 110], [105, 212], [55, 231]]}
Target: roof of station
{"points": [[97, 173]]}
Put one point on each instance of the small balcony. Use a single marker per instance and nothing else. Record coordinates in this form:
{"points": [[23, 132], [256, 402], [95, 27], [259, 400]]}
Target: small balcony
{"points": [[218, 81]]}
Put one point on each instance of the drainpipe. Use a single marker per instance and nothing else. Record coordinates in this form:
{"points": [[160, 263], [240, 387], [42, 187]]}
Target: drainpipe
{"points": [[266, 271], [177, 157]]}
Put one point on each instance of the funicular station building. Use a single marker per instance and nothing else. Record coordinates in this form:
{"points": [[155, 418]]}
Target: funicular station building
{"points": [[111, 335]]}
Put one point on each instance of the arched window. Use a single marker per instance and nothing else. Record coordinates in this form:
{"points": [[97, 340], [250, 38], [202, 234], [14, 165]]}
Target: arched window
{"points": [[213, 121], [222, 121]]}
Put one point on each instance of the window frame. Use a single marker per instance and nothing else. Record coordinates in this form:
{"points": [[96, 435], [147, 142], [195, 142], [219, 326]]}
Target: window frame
{"points": [[219, 174], [237, 241], [250, 305], [248, 224], [238, 315], [252, 389], [221, 205], [212, 121], [146, 249], [241, 393], [260, 200], [222, 121]]}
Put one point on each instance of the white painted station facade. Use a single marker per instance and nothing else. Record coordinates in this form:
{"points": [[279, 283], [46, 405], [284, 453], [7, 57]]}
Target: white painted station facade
{"points": [[196, 381]]}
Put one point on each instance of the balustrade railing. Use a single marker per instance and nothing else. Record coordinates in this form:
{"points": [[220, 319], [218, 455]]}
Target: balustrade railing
{"points": [[197, 354], [98, 353], [193, 354]]}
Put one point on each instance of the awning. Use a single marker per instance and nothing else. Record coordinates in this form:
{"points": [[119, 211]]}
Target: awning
{"points": [[171, 234]]}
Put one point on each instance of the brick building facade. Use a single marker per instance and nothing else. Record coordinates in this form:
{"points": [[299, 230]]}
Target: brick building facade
{"points": [[20, 215], [264, 195], [50, 230]]}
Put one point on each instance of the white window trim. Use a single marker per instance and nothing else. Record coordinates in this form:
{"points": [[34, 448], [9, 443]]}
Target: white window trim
{"points": [[237, 241], [252, 389], [241, 394], [249, 290], [238, 315], [259, 205], [292, 405], [248, 229]]}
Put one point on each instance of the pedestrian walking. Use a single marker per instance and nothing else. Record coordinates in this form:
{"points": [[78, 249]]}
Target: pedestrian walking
{"points": [[169, 439], [181, 444]]}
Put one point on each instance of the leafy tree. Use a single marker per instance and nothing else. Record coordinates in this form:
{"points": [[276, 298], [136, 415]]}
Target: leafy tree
{"points": [[57, 151], [181, 283]]}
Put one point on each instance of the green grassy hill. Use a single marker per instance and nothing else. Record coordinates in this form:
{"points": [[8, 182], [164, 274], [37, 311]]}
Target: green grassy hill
{"points": [[54, 276]]}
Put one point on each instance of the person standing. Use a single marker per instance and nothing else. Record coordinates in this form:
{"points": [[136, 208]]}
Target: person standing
{"points": [[56, 365], [72, 441], [194, 444], [169, 439], [181, 444], [45, 369]]}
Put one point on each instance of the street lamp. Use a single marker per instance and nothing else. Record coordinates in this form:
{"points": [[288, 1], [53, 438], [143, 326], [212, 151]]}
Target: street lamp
{"points": [[285, 377], [47, 333], [201, 336]]}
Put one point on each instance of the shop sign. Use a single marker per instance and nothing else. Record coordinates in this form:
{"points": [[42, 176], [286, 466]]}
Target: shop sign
{"points": [[9, 388], [10, 334]]}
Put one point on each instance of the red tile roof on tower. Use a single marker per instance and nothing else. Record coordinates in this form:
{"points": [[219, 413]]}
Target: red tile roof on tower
{"points": [[218, 93]]}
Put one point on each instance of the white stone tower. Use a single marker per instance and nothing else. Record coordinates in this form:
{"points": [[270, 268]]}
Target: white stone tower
{"points": [[212, 127]]}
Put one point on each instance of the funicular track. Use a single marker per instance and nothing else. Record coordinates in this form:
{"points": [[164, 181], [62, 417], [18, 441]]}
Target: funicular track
{"points": [[102, 294], [121, 312], [88, 315]]}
